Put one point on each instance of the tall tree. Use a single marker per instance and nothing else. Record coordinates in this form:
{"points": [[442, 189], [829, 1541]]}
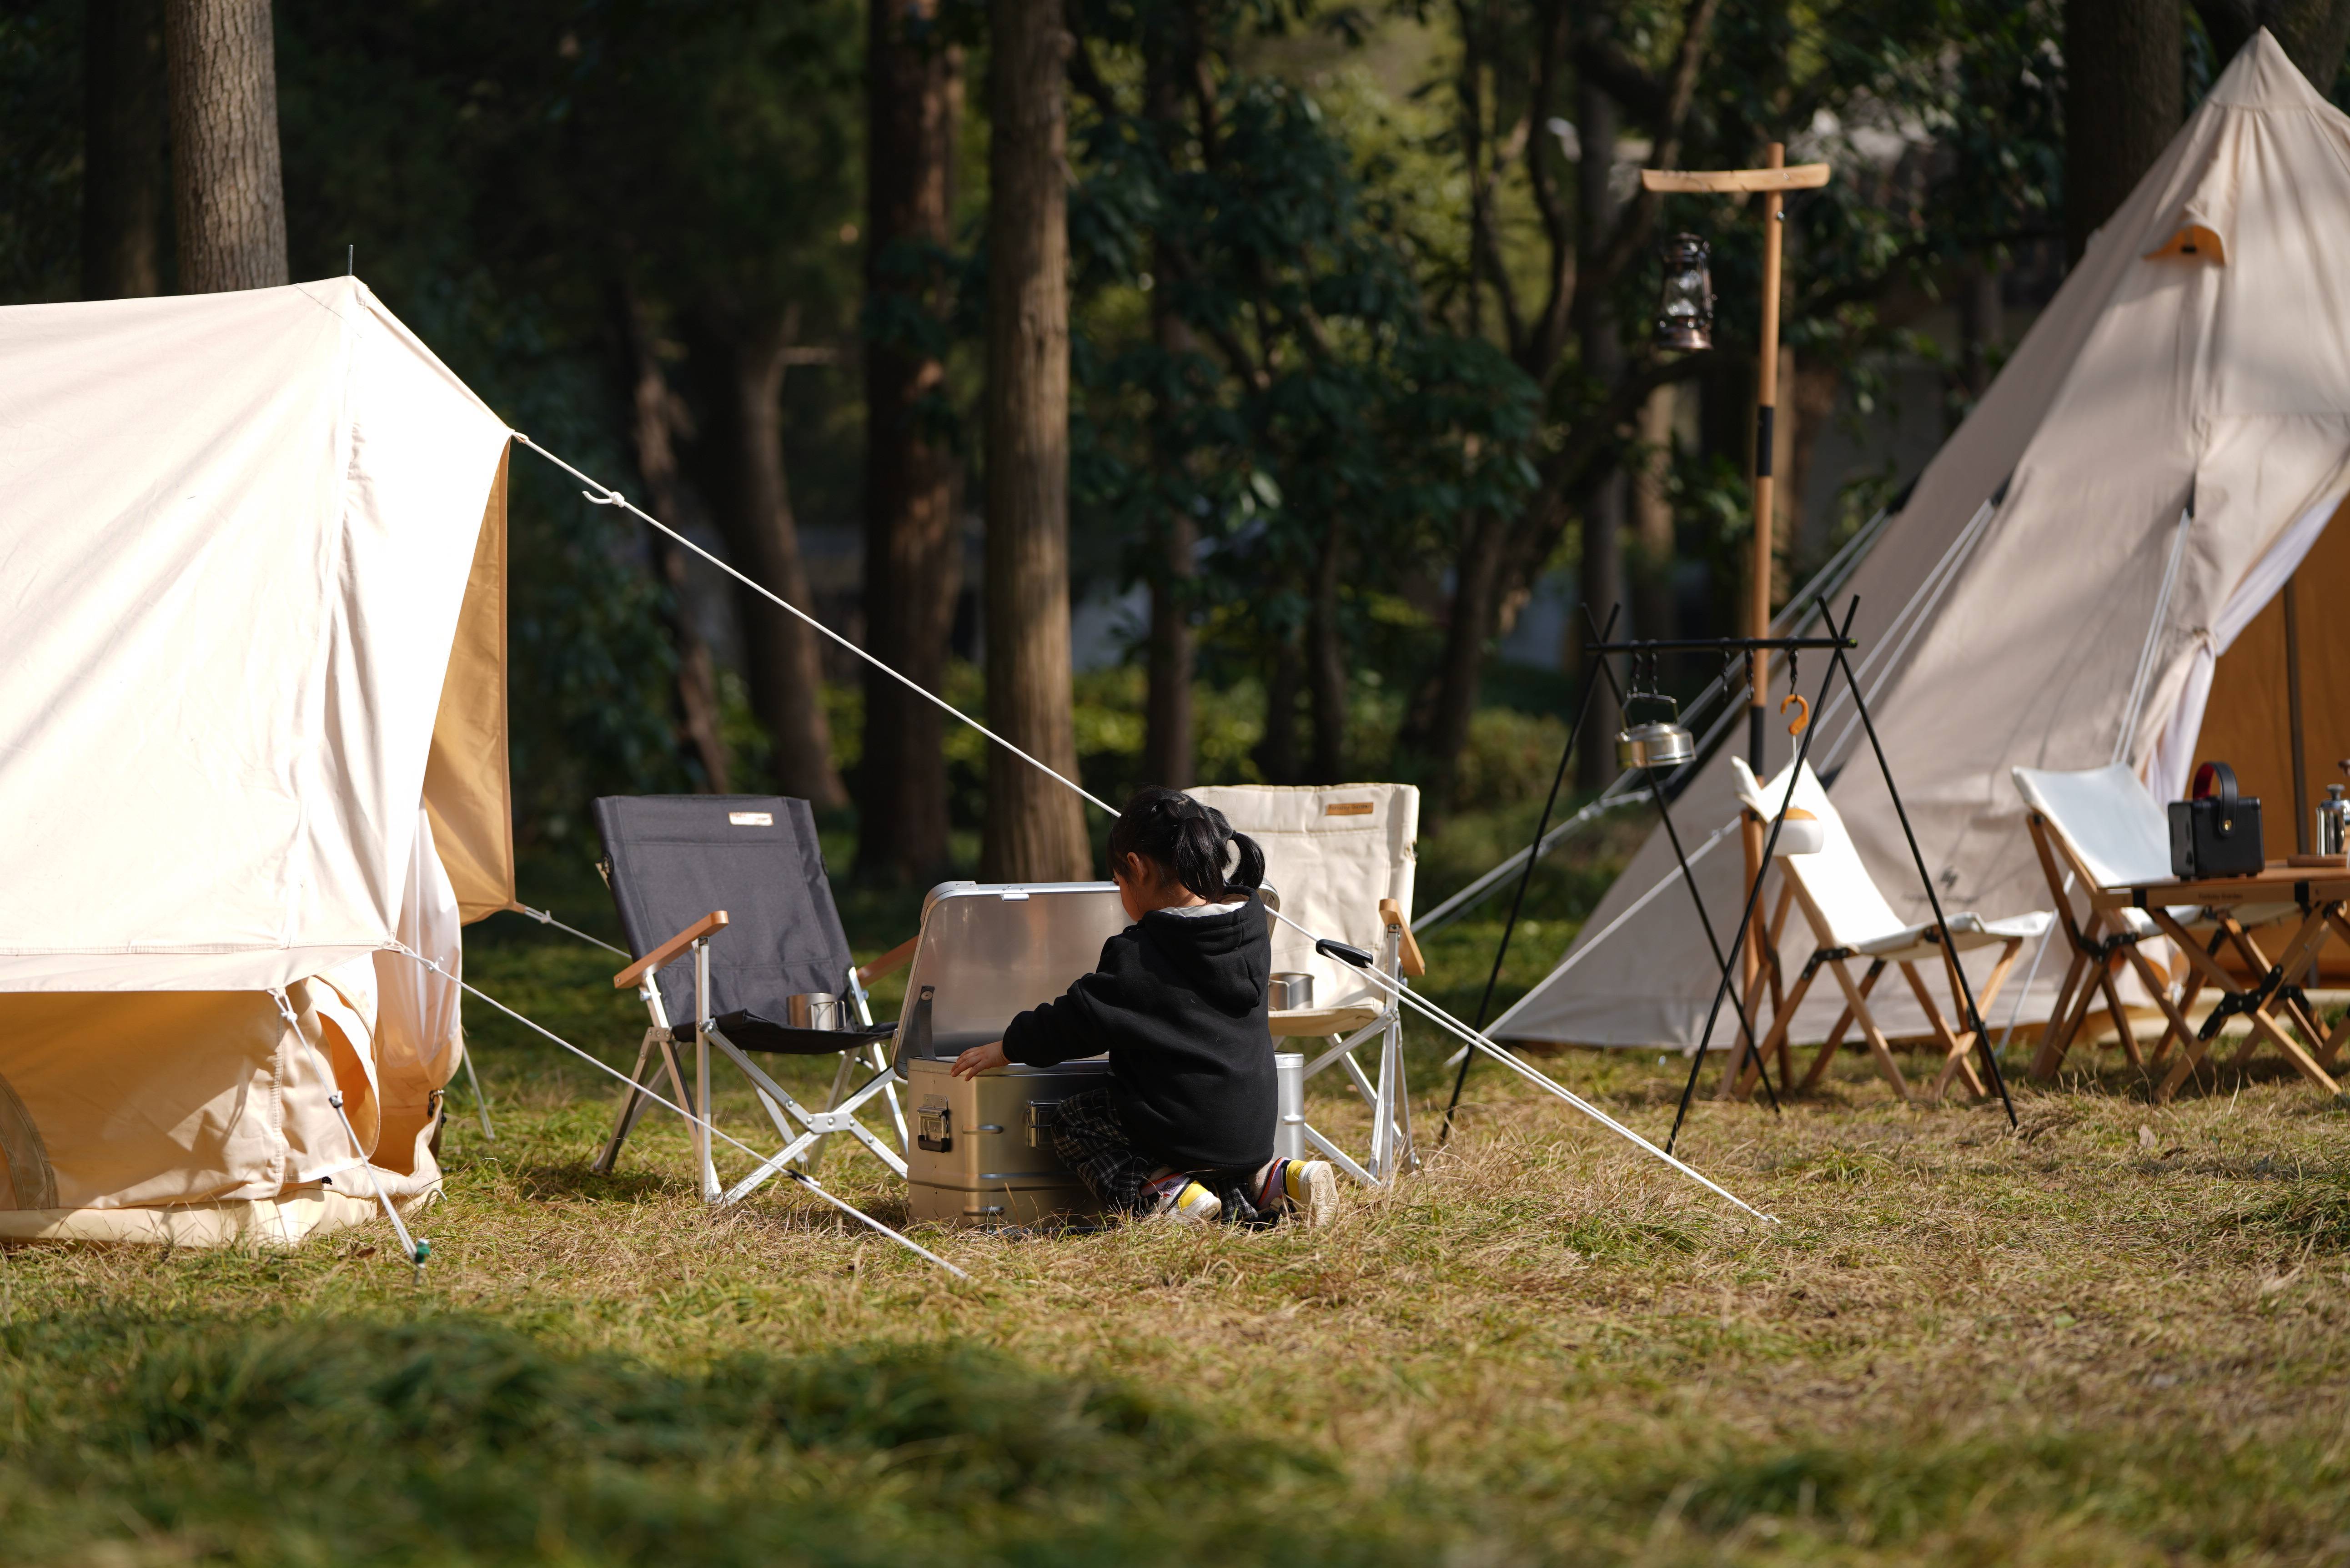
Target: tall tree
{"points": [[227, 188], [1602, 578], [125, 164], [913, 544], [1170, 64], [2123, 98], [753, 506], [657, 418], [1035, 828]]}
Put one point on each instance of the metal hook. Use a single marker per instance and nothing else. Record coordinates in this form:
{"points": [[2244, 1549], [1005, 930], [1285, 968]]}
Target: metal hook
{"points": [[1802, 712]]}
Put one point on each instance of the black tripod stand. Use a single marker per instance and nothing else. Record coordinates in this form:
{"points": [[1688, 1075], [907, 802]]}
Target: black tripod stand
{"points": [[1837, 646]]}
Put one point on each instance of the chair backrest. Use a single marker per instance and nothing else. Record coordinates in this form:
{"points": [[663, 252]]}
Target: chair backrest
{"points": [[1333, 852], [2106, 817], [988, 952], [1832, 880], [672, 859]]}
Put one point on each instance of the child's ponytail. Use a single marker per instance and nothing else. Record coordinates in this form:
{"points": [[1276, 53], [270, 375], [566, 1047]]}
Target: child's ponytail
{"points": [[1192, 840]]}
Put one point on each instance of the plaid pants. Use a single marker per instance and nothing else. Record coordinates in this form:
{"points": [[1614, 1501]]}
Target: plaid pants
{"points": [[1088, 1135]]}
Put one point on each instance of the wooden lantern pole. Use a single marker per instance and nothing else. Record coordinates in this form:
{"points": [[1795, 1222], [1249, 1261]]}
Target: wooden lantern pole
{"points": [[1772, 180]]}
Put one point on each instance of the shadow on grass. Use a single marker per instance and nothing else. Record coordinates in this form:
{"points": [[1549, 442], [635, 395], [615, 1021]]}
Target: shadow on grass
{"points": [[477, 1443]]}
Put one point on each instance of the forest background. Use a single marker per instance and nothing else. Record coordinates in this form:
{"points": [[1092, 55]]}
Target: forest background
{"points": [[1356, 302]]}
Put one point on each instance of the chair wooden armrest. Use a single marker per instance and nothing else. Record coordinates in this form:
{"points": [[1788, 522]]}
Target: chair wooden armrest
{"points": [[1391, 915], [897, 957], [634, 975]]}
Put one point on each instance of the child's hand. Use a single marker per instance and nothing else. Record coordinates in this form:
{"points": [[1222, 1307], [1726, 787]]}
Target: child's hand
{"points": [[980, 1059]]}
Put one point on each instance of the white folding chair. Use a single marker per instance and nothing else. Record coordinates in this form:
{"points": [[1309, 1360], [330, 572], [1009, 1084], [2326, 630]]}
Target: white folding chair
{"points": [[1341, 859], [2102, 828], [1850, 918]]}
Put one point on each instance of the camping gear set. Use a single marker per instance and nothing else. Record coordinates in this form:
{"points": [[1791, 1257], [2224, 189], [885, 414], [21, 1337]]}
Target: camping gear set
{"points": [[2217, 832], [2099, 831], [1998, 628]]}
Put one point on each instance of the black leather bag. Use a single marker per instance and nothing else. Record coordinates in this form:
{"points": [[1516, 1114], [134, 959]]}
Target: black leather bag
{"points": [[2218, 833]]}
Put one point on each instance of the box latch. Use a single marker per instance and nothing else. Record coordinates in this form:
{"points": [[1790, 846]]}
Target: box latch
{"points": [[934, 1130], [1042, 1116]]}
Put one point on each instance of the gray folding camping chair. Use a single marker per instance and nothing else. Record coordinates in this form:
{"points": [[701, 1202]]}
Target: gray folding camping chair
{"points": [[769, 976]]}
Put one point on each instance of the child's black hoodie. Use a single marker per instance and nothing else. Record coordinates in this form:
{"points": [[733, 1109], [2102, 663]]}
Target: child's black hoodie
{"points": [[1178, 1002]]}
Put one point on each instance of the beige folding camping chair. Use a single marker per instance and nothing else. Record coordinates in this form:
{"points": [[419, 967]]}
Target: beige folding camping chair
{"points": [[1341, 859], [2102, 828], [1849, 919]]}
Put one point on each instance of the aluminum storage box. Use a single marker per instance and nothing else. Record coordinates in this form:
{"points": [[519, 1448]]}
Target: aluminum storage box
{"points": [[981, 1154], [982, 1150]]}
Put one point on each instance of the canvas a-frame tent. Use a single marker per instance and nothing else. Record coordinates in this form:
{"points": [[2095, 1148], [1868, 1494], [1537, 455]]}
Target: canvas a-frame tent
{"points": [[251, 741], [2088, 572]]}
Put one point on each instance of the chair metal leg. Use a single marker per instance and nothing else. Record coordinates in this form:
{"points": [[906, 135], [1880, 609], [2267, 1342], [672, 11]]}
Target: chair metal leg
{"points": [[625, 1122]]}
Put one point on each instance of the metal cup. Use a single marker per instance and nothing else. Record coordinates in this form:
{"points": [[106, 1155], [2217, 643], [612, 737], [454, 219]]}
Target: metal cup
{"points": [[817, 1010], [1291, 991]]}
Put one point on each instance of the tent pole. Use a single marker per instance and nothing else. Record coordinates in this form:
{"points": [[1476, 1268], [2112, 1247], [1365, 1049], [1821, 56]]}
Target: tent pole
{"points": [[2301, 818]]}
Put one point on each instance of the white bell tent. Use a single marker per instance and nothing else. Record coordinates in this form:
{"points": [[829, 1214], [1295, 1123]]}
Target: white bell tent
{"points": [[251, 742], [2089, 572]]}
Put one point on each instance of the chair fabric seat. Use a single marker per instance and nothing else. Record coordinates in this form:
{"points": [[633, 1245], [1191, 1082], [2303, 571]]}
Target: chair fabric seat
{"points": [[1969, 930], [751, 1033]]}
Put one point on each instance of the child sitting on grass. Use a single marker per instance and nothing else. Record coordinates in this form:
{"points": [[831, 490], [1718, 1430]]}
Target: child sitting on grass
{"points": [[1184, 1129]]}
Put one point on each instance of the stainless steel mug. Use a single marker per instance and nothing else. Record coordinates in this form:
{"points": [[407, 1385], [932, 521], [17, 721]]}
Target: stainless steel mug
{"points": [[1291, 991]]}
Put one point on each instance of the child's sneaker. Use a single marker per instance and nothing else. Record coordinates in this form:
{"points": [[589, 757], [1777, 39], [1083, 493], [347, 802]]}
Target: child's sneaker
{"points": [[1307, 1187], [1180, 1198]]}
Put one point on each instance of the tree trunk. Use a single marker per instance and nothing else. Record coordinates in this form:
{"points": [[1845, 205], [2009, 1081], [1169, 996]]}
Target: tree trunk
{"points": [[914, 544], [1036, 829], [1602, 576], [2122, 104], [787, 670], [1168, 754], [228, 192], [2313, 33], [1651, 565], [652, 427], [1983, 328], [1443, 728], [1326, 663], [1168, 757], [126, 165], [1276, 750]]}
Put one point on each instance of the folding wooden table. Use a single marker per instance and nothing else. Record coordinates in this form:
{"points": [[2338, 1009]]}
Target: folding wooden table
{"points": [[2322, 894]]}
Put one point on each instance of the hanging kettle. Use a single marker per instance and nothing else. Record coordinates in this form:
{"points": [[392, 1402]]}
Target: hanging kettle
{"points": [[1659, 743]]}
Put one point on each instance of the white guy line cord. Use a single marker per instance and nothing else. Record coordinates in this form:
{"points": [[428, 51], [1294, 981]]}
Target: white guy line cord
{"points": [[416, 1251], [543, 919], [1476, 1041], [715, 1131], [611, 497]]}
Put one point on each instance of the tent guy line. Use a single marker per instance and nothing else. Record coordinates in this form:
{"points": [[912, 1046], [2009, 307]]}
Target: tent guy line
{"points": [[546, 918], [1476, 1041], [805, 1180], [416, 1251], [1444, 1020], [611, 497]]}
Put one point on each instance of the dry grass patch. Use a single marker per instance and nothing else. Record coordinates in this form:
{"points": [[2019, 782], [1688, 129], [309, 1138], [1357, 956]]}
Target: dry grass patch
{"points": [[2115, 1336]]}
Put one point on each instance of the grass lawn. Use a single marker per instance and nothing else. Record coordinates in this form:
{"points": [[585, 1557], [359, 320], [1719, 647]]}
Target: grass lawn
{"points": [[2113, 1337]]}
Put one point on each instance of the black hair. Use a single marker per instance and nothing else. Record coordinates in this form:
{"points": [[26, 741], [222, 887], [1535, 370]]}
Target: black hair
{"points": [[1189, 839]]}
